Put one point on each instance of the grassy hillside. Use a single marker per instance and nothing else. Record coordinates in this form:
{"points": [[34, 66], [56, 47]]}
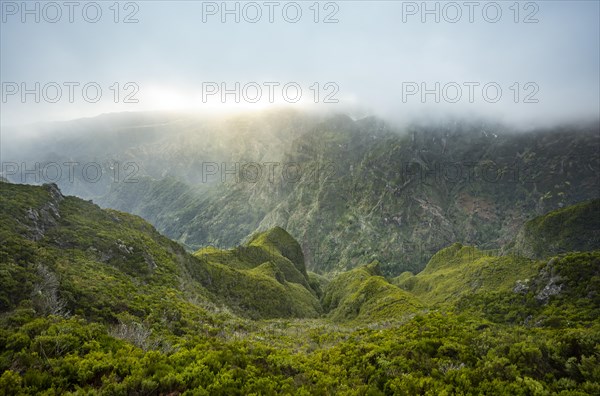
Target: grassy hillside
{"points": [[563, 292], [95, 301], [462, 270], [63, 254]]}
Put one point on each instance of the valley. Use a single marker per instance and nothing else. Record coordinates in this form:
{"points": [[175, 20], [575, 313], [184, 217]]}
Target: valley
{"points": [[96, 300]]}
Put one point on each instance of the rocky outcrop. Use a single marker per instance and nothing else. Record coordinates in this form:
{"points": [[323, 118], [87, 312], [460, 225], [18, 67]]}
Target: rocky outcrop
{"points": [[40, 220], [548, 283]]}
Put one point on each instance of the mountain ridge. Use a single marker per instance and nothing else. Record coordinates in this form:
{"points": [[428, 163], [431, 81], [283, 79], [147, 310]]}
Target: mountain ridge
{"points": [[363, 181]]}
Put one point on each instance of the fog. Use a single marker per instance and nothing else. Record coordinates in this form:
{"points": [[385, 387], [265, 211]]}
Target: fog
{"points": [[534, 64]]}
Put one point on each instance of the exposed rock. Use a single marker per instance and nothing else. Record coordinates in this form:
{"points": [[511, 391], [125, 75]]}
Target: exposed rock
{"points": [[54, 192], [98, 255], [549, 282], [123, 247], [551, 289], [521, 286]]}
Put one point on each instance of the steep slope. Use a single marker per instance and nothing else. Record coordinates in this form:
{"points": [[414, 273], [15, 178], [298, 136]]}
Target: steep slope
{"points": [[63, 256], [125, 147], [402, 197], [558, 290], [563, 292], [574, 228]]}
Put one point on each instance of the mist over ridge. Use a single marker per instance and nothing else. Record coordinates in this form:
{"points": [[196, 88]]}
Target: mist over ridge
{"points": [[409, 189]]}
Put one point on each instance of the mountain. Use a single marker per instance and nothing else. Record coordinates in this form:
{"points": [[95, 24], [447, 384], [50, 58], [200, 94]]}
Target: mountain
{"points": [[399, 194], [97, 301], [559, 285], [357, 191], [88, 157], [65, 256], [460, 270]]}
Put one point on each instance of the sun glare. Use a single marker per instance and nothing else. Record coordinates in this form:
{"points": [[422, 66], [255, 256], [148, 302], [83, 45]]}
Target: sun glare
{"points": [[168, 99]]}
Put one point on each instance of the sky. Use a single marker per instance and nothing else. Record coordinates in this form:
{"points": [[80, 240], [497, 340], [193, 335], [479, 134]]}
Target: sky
{"points": [[517, 62]]}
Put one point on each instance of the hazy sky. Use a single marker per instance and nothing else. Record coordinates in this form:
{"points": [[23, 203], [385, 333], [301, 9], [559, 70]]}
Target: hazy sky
{"points": [[377, 58]]}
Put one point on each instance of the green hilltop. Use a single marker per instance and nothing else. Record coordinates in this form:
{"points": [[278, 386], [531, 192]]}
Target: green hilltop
{"points": [[458, 270], [266, 278], [364, 295]]}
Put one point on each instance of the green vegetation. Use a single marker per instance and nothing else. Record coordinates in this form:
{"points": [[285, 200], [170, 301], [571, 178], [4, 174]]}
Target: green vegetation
{"points": [[97, 302], [464, 270], [364, 295], [266, 278], [562, 293], [429, 354], [349, 191], [574, 228]]}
